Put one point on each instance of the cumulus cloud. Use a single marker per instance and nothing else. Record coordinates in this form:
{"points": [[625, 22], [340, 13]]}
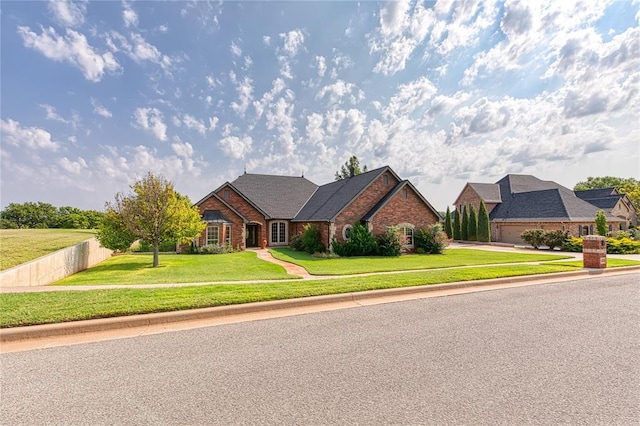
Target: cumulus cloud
{"points": [[337, 91], [150, 120], [72, 48], [29, 137], [193, 123], [76, 168], [236, 147], [138, 49], [409, 97], [236, 51], [321, 65], [245, 96], [129, 16], [293, 41], [68, 13]]}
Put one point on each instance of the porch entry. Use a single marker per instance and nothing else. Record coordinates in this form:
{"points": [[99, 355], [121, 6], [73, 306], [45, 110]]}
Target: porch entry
{"points": [[252, 237]]}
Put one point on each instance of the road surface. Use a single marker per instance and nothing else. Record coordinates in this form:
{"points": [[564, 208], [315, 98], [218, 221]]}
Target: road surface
{"points": [[566, 353]]}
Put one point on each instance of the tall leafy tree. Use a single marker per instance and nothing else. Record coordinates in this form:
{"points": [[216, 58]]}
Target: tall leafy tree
{"points": [[448, 226], [628, 186], [457, 226], [345, 170], [601, 223], [473, 224], [465, 224], [484, 227], [30, 215], [153, 212]]}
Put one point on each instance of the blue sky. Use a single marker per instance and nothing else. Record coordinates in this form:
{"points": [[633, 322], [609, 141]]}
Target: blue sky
{"points": [[96, 94]]}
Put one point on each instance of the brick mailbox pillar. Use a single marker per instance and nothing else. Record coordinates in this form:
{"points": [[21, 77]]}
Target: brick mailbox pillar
{"points": [[594, 251]]}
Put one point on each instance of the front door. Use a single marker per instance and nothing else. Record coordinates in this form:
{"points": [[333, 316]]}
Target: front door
{"points": [[252, 236]]}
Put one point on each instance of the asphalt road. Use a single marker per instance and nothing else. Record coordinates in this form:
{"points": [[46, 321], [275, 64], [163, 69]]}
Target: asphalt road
{"points": [[564, 353]]}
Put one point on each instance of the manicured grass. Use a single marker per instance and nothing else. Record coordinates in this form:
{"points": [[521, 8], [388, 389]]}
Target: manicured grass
{"points": [[611, 263], [178, 268], [22, 245], [450, 258], [20, 309]]}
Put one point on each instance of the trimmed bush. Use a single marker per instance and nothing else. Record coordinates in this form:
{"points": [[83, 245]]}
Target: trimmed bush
{"points": [[572, 244], [430, 240], [390, 243], [623, 246], [534, 237], [553, 239], [212, 249], [360, 243]]}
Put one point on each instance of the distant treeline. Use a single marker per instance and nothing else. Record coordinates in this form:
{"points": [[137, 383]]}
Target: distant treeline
{"points": [[45, 215]]}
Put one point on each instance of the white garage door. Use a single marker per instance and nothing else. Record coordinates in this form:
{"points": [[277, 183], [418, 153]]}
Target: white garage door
{"points": [[511, 233]]}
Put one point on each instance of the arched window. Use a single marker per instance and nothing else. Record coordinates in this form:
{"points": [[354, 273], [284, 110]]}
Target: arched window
{"points": [[407, 231], [278, 234], [346, 232]]}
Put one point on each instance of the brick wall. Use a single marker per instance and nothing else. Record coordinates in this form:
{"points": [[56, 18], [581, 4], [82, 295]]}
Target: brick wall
{"points": [[468, 197], [400, 210]]}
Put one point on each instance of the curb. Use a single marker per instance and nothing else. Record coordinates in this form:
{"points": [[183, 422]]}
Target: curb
{"points": [[17, 334]]}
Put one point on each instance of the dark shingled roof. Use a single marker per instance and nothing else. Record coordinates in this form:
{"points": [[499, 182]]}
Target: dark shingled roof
{"points": [[267, 192], [489, 192], [515, 184], [604, 203], [592, 194], [214, 216], [330, 199], [548, 204]]}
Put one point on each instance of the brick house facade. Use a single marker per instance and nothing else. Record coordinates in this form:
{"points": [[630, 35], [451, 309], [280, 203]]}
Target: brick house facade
{"points": [[264, 209]]}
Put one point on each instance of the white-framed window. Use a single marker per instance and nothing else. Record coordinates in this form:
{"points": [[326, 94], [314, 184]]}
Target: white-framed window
{"points": [[213, 234], [346, 232], [227, 234], [278, 232], [407, 232]]}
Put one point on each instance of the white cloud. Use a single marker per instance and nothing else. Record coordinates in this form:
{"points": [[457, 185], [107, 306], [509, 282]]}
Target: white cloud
{"points": [[409, 97], [236, 51], [339, 90], [99, 109], [72, 48], [193, 123], [280, 117], [278, 86], [68, 13], [29, 137], [77, 168], [236, 147], [266, 40], [321, 65], [245, 96], [52, 114], [150, 120], [293, 41], [213, 123], [129, 16], [138, 49]]}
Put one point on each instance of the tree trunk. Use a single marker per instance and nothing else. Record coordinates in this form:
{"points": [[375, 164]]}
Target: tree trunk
{"points": [[156, 250]]}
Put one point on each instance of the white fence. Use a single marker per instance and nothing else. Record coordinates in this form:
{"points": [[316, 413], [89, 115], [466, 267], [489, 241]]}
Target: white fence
{"points": [[55, 266]]}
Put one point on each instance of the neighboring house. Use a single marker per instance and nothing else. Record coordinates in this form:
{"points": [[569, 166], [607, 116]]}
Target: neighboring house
{"points": [[519, 202], [612, 202], [256, 208]]}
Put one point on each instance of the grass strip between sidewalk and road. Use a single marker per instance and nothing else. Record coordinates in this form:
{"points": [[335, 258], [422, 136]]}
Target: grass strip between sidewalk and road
{"points": [[21, 309], [18, 246], [450, 258], [611, 263]]}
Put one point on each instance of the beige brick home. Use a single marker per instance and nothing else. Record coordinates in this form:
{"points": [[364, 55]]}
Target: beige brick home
{"points": [[519, 202], [258, 208]]}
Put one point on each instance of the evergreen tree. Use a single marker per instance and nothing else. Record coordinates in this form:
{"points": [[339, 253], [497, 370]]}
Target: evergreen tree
{"points": [[601, 223], [457, 235], [353, 164], [473, 224], [465, 224], [484, 228], [448, 226]]}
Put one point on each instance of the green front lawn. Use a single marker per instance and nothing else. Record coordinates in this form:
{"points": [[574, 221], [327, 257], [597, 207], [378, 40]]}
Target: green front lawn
{"points": [[178, 268], [18, 246], [611, 263], [450, 258], [20, 309]]}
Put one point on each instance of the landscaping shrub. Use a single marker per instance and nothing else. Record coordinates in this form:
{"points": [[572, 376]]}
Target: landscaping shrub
{"points": [[572, 244], [360, 243], [534, 237], [390, 243], [473, 224], [484, 228], [430, 240], [553, 239], [623, 246], [448, 225], [457, 227], [308, 241], [464, 234], [212, 249]]}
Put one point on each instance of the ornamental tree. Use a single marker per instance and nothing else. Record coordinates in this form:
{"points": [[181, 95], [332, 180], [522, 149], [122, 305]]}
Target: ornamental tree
{"points": [[448, 226], [153, 212], [484, 228], [473, 224]]}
